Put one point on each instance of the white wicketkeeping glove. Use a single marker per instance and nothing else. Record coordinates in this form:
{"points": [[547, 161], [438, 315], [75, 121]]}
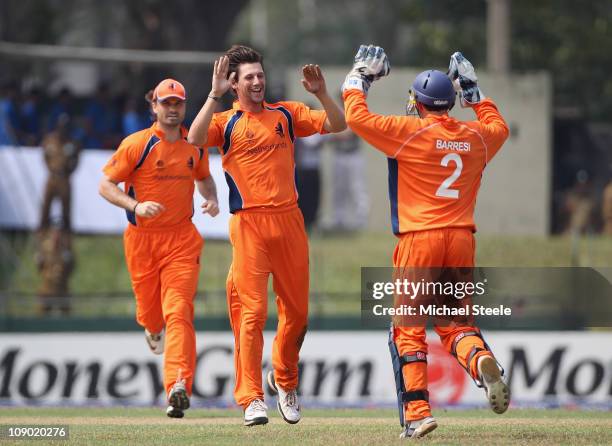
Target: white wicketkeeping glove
{"points": [[461, 73], [371, 63]]}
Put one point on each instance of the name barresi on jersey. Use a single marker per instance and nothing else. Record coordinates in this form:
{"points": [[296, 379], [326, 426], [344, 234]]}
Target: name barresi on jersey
{"points": [[458, 146]]}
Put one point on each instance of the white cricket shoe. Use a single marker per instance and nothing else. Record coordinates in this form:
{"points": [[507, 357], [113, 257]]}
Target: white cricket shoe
{"points": [[419, 428], [178, 400], [256, 413], [496, 389], [155, 341], [288, 405]]}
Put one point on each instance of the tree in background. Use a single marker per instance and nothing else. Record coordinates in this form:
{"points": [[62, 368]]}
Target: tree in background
{"points": [[562, 37], [571, 40]]}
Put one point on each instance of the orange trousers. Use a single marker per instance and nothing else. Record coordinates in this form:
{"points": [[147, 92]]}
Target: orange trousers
{"points": [[267, 242], [447, 247], [164, 267]]}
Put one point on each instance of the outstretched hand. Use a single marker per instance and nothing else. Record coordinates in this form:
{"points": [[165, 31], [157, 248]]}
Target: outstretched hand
{"points": [[313, 80], [221, 82]]}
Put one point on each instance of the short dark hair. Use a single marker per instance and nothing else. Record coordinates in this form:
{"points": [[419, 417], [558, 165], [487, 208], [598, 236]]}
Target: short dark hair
{"points": [[436, 108], [239, 54], [149, 98]]}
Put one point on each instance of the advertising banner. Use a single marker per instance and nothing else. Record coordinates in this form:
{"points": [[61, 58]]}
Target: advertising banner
{"points": [[23, 182], [349, 368]]}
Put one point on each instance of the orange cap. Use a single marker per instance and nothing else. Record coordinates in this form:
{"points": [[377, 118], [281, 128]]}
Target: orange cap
{"points": [[169, 88]]}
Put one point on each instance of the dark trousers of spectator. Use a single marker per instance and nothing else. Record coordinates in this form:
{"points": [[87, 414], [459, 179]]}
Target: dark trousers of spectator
{"points": [[57, 187], [309, 187]]}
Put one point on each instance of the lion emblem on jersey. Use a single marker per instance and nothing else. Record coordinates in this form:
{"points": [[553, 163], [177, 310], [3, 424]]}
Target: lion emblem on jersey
{"points": [[279, 130]]}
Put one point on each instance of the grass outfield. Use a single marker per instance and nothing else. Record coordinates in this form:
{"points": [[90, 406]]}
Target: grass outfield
{"points": [[335, 260], [335, 269], [119, 426]]}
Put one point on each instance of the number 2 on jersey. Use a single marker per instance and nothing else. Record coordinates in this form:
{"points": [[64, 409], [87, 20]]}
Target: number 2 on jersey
{"points": [[444, 190]]}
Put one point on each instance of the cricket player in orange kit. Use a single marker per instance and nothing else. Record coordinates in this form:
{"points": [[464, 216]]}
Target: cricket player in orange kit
{"points": [[435, 167], [267, 232], [162, 246]]}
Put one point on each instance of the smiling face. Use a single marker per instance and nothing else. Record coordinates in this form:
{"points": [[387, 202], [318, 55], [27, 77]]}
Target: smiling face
{"points": [[170, 112], [250, 86]]}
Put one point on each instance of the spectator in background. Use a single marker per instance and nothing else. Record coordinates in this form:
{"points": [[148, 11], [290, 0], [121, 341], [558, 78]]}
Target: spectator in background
{"points": [[350, 196], [101, 121], [134, 118], [150, 113], [580, 205], [9, 115], [62, 104], [55, 262], [308, 162], [61, 156], [31, 117], [606, 210]]}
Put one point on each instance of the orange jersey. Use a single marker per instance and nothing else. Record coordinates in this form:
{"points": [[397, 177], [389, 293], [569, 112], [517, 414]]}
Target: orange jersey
{"points": [[258, 154], [156, 170], [435, 163]]}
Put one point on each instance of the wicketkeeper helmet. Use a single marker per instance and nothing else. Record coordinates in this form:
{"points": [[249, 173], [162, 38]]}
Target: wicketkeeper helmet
{"points": [[434, 89]]}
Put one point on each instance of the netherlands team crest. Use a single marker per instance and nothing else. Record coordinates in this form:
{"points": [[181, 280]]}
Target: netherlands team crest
{"points": [[279, 130]]}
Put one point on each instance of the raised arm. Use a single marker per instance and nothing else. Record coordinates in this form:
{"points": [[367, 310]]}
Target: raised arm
{"points": [[314, 83], [198, 132], [387, 133], [492, 124]]}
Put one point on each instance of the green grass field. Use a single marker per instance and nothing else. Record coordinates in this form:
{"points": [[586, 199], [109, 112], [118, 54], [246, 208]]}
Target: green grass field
{"points": [[335, 260], [119, 426], [335, 263]]}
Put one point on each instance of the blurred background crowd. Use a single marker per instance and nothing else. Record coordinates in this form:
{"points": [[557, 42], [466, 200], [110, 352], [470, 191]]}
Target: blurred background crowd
{"points": [[99, 121]]}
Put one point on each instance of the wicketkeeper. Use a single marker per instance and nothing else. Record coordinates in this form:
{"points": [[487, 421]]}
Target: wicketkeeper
{"points": [[435, 166]]}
